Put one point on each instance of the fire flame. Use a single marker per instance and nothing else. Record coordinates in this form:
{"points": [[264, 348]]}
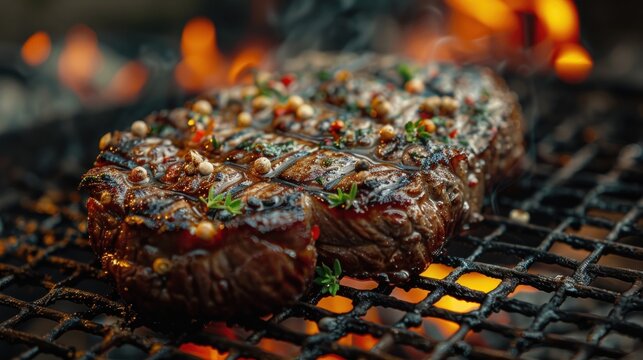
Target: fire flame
{"points": [[36, 49], [495, 31], [203, 66], [79, 60], [573, 63]]}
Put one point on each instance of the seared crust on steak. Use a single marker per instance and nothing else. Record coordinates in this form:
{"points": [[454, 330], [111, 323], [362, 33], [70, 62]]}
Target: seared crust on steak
{"points": [[413, 191]]}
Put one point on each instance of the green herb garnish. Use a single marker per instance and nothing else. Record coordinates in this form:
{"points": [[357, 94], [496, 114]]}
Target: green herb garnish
{"points": [[215, 143], [268, 149], [328, 278], [342, 198], [266, 90], [405, 72], [414, 131], [320, 180], [323, 75], [222, 202]]}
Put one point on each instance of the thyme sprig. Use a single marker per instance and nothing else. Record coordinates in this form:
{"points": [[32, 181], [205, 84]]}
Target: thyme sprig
{"points": [[223, 202], [328, 278], [344, 199]]}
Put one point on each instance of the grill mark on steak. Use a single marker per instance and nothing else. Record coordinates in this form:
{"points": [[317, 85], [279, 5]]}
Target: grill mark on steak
{"points": [[412, 196]]}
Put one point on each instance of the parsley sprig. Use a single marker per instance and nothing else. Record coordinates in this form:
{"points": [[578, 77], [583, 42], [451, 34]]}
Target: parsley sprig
{"points": [[405, 72], [223, 202], [342, 198], [415, 131], [329, 278]]}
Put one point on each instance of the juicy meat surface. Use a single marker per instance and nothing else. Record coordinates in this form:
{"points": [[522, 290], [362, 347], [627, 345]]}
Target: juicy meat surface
{"points": [[418, 144]]}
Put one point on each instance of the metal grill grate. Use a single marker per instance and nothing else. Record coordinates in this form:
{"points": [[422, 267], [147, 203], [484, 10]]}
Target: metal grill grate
{"points": [[567, 283]]}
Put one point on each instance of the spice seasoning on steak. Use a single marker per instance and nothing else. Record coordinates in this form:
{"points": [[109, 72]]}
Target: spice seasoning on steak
{"points": [[223, 208]]}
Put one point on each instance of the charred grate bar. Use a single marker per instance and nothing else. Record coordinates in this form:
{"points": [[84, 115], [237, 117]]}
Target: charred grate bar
{"points": [[564, 284]]}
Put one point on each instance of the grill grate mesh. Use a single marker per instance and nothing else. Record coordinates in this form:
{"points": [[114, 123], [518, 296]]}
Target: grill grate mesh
{"points": [[567, 283]]}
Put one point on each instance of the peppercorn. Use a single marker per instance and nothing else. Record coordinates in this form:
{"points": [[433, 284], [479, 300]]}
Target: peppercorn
{"points": [[361, 165], [414, 86], [206, 230], [244, 119], [206, 168], [387, 133], [105, 141], [138, 175], [261, 102], [139, 128], [161, 266], [262, 165], [202, 107], [305, 111]]}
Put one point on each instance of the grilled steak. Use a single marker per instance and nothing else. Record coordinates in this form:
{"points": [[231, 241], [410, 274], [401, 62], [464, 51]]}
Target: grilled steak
{"points": [[221, 208]]}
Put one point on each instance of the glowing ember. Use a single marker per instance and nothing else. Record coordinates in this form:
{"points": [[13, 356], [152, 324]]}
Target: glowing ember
{"points": [[203, 352], [573, 63], [337, 304], [36, 49]]}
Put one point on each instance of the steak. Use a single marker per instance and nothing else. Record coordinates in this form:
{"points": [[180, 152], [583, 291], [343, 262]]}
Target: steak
{"points": [[223, 207]]}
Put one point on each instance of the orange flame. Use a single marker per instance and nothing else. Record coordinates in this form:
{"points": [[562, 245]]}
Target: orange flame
{"points": [[80, 59], [573, 63], [36, 49], [559, 18], [203, 66], [492, 31], [128, 82]]}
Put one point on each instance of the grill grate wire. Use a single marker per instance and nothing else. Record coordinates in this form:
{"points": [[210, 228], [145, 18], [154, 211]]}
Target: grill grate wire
{"points": [[585, 201]]}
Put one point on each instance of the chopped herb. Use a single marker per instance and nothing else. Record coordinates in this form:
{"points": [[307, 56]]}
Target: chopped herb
{"points": [[345, 199], [415, 132], [266, 90], [215, 143], [158, 129], [438, 121], [405, 72], [269, 149], [329, 278], [319, 180], [326, 162], [323, 75], [222, 202]]}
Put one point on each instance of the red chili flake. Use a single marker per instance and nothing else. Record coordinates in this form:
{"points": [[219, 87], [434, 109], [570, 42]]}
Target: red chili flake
{"points": [[453, 133], [280, 110], [198, 135], [473, 183], [336, 126], [469, 101], [287, 79], [314, 232], [425, 114]]}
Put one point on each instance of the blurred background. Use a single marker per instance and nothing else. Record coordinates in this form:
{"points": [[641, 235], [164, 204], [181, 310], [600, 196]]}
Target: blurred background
{"points": [[72, 70], [59, 58]]}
